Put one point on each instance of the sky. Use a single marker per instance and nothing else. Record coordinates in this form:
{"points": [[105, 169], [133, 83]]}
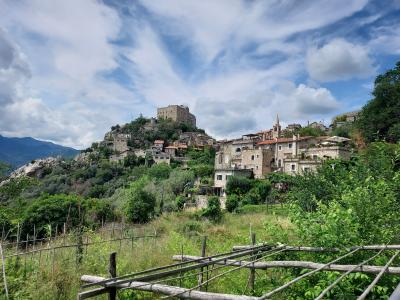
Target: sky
{"points": [[71, 69]]}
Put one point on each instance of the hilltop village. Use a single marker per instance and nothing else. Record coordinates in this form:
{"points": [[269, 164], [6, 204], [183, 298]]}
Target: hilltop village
{"points": [[252, 155], [124, 142]]}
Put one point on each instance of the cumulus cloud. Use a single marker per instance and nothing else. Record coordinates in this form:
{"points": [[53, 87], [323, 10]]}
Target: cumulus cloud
{"points": [[89, 64], [60, 94], [13, 70], [386, 39], [339, 60], [256, 111]]}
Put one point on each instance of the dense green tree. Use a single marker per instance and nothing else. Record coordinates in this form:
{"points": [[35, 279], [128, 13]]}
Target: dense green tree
{"points": [[159, 171], [310, 131], [140, 205], [380, 117], [232, 202], [213, 210], [238, 185], [54, 211]]}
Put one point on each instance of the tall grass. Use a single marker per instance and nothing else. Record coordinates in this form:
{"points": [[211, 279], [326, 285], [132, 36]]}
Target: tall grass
{"points": [[56, 274]]}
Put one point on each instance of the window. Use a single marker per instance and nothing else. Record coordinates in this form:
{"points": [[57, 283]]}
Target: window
{"points": [[257, 156], [306, 169], [315, 156], [238, 150], [293, 167], [279, 148], [252, 157], [219, 177], [220, 158], [290, 145], [256, 167], [279, 163]]}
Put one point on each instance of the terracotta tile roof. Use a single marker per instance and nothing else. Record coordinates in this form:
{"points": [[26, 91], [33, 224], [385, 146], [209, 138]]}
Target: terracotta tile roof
{"points": [[283, 140]]}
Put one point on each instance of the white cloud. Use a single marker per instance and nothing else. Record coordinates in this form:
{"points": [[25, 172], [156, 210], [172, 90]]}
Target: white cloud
{"points": [[239, 59], [386, 39], [213, 26], [68, 45], [339, 60]]}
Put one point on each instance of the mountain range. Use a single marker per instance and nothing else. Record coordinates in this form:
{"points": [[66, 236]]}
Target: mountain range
{"points": [[19, 151]]}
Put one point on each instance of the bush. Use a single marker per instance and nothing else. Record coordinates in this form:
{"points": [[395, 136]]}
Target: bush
{"points": [[53, 210], [180, 202], [232, 203], [159, 171], [238, 185], [213, 211], [140, 206]]}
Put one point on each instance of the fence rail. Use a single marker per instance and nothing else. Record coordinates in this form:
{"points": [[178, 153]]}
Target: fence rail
{"points": [[109, 234], [250, 257]]}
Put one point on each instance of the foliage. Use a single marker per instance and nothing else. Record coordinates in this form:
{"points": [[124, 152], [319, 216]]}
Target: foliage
{"points": [[238, 185], [350, 203], [343, 131], [53, 211], [379, 118], [213, 210], [14, 188], [140, 203], [232, 202], [311, 131], [180, 202], [159, 171]]}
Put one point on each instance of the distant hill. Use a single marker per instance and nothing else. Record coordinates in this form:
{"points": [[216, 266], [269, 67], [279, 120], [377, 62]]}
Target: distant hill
{"points": [[19, 151]]}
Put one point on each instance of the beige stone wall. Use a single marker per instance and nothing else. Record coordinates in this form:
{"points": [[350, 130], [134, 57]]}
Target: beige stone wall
{"points": [[326, 152], [297, 166], [176, 113], [258, 160]]}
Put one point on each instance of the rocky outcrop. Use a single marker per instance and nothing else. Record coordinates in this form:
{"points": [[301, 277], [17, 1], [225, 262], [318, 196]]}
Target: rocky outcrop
{"points": [[36, 168]]}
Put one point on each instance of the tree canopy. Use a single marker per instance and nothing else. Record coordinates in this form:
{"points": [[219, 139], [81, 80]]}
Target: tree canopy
{"points": [[380, 117]]}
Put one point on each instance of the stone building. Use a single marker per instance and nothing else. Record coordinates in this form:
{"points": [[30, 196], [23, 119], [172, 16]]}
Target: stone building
{"points": [[177, 113], [254, 155]]}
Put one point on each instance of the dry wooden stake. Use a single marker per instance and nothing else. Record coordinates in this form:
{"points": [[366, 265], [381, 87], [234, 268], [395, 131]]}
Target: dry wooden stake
{"points": [[252, 271], [203, 254], [112, 295], [3, 267]]}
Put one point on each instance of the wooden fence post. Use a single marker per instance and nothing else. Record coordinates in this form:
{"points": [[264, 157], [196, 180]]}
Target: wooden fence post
{"points": [[203, 254], [112, 295], [252, 270], [3, 267]]}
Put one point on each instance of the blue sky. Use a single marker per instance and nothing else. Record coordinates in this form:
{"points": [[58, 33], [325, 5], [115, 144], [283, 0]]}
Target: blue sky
{"points": [[71, 69]]}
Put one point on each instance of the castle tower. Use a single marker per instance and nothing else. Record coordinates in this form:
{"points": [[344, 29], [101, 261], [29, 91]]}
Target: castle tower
{"points": [[276, 131]]}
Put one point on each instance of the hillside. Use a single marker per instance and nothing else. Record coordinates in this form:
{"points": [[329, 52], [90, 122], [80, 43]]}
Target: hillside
{"points": [[19, 151]]}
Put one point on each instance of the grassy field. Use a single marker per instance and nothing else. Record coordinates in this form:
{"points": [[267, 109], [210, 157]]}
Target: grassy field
{"points": [[45, 277]]}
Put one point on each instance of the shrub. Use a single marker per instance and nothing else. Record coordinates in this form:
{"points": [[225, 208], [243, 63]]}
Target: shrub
{"points": [[238, 185], [180, 202], [232, 203], [53, 210], [140, 206], [213, 211], [159, 171]]}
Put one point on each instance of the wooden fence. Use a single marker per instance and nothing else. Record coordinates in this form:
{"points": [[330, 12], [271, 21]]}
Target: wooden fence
{"points": [[81, 241], [252, 257]]}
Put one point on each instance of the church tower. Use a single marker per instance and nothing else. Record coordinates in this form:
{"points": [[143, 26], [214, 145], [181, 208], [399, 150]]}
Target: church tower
{"points": [[276, 131]]}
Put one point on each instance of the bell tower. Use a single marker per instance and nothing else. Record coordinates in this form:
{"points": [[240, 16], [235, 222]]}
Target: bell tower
{"points": [[276, 131]]}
